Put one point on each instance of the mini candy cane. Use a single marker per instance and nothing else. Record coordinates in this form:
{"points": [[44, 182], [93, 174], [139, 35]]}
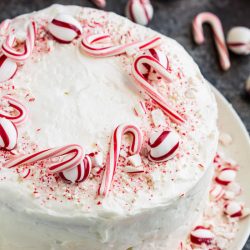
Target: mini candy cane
{"points": [[216, 192], [10, 52], [234, 209], [226, 176], [113, 156], [141, 81], [94, 45], [75, 152], [78, 174], [21, 117], [4, 26], [201, 235], [8, 134], [8, 68], [214, 21], [99, 3]]}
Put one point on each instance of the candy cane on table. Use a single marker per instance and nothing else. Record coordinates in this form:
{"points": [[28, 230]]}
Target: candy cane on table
{"points": [[9, 51], [99, 3], [141, 81], [214, 21], [94, 45], [4, 26], [75, 151], [19, 107], [113, 155]]}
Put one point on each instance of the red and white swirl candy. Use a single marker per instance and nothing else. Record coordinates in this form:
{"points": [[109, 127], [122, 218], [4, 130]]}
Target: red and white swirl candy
{"points": [[65, 28], [8, 134], [163, 145], [226, 176], [79, 173], [8, 68], [15, 54], [238, 40], [19, 108], [100, 45], [201, 235], [234, 209], [219, 38], [114, 152], [99, 3], [139, 11], [74, 155], [143, 84]]}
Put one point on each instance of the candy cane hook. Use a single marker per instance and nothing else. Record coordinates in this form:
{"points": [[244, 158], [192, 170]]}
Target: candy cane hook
{"points": [[113, 156], [215, 23], [141, 81]]}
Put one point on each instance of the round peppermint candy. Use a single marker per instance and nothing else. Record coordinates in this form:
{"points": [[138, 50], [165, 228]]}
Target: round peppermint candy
{"points": [[8, 134], [65, 28]]}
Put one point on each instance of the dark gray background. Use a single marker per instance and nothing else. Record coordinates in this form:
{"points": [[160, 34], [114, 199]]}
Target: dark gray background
{"points": [[173, 18]]}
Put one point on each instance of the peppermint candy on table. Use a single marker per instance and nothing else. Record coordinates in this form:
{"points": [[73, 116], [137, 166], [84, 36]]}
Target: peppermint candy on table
{"points": [[139, 11], [238, 40], [142, 83], [114, 152], [29, 43], [99, 3], [234, 209], [100, 45], [133, 170], [8, 68], [163, 145], [65, 28], [79, 173], [21, 110], [73, 152], [8, 134], [219, 38], [201, 235], [226, 176], [216, 192]]}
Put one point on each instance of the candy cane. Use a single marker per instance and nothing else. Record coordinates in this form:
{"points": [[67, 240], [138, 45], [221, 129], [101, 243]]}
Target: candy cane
{"points": [[141, 81], [75, 152], [21, 117], [113, 156], [9, 51], [214, 21], [99, 3], [4, 26], [8, 68], [94, 45]]}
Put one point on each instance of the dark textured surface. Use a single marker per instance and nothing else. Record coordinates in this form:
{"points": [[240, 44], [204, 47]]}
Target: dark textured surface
{"points": [[173, 18]]}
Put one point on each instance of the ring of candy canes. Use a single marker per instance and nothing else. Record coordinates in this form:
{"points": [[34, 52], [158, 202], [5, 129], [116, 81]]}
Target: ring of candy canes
{"points": [[78, 174], [8, 68], [215, 23], [74, 151], [4, 26], [65, 28], [8, 134], [139, 11], [100, 45], [114, 152], [99, 3], [201, 235], [19, 107], [10, 52], [142, 83]]}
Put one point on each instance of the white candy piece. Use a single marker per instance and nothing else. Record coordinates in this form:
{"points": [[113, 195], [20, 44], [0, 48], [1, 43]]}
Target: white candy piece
{"points": [[65, 28], [158, 117], [8, 134], [139, 11], [225, 139], [133, 170], [234, 209], [201, 235], [8, 68], [216, 192], [79, 173], [140, 109], [226, 176], [97, 159], [238, 40], [135, 160], [163, 146]]}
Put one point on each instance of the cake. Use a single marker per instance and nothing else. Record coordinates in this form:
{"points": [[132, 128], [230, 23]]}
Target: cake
{"points": [[86, 81]]}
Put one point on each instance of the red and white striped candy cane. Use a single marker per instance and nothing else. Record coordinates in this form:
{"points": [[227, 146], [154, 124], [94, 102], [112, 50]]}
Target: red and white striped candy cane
{"points": [[8, 68], [4, 26], [99, 3], [22, 111], [100, 45], [214, 21], [113, 156], [10, 52], [74, 151], [141, 81]]}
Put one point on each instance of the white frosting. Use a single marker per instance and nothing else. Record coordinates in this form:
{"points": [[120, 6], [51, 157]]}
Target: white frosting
{"points": [[78, 99]]}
